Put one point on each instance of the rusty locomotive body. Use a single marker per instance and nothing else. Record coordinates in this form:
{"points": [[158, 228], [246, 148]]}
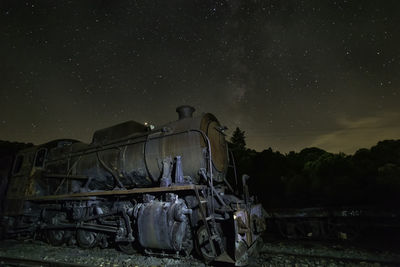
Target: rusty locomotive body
{"points": [[163, 190]]}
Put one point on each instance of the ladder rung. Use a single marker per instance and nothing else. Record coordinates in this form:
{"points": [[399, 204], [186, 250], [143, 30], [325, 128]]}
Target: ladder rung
{"points": [[203, 201], [209, 218]]}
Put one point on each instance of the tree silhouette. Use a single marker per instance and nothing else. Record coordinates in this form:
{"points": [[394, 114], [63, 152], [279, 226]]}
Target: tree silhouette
{"points": [[238, 140], [314, 177]]}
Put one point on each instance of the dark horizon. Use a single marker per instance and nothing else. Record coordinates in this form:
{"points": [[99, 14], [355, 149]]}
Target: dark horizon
{"points": [[290, 74], [12, 145]]}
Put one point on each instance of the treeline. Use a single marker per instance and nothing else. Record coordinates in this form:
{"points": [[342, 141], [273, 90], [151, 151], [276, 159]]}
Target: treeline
{"points": [[10, 148], [7, 152], [314, 177], [309, 178]]}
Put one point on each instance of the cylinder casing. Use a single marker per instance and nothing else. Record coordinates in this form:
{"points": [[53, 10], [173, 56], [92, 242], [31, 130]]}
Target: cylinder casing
{"points": [[162, 225]]}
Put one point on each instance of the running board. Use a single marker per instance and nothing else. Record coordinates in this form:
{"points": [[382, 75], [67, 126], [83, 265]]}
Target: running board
{"points": [[117, 192]]}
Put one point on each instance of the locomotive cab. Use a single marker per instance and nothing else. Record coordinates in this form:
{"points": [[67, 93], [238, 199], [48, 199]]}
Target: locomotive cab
{"points": [[28, 179], [19, 181]]}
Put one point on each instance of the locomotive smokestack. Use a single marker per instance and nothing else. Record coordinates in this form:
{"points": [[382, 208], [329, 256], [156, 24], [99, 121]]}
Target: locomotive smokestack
{"points": [[185, 111]]}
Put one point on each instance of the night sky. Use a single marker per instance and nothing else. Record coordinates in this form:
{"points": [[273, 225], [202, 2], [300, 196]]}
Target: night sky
{"points": [[292, 74]]}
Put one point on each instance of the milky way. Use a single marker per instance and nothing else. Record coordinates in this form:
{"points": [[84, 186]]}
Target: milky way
{"points": [[292, 74]]}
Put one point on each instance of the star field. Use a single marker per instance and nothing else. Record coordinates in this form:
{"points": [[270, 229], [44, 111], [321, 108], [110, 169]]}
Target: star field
{"points": [[292, 74]]}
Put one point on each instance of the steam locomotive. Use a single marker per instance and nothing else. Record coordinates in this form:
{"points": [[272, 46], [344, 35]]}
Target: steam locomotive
{"points": [[163, 190]]}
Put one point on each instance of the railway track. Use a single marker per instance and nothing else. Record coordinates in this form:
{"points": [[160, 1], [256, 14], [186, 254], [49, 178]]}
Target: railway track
{"points": [[13, 261], [38, 253], [278, 253]]}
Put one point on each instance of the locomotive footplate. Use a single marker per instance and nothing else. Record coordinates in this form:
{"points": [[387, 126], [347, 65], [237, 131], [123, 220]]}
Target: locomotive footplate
{"points": [[114, 193]]}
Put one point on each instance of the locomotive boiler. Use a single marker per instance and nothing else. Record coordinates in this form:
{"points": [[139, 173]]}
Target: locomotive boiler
{"points": [[163, 190]]}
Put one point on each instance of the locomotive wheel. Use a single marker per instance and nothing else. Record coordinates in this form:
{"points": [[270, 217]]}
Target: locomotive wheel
{"points": [[86, 239], [187, 245], [56, 237], [349, 232], [126, 247], [203, 247]]}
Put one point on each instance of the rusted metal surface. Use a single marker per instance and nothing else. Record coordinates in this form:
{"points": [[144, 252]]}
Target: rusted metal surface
{"points": [[118, 131], [21, 182], [136, 160], [185, 111], [163, 225], [211, 127], [242, 234], [248, 227], [258, 223]]}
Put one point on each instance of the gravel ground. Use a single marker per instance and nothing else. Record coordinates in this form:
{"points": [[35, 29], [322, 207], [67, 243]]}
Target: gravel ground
{"points": [[322, 253], [274, 253], [93, 257]]}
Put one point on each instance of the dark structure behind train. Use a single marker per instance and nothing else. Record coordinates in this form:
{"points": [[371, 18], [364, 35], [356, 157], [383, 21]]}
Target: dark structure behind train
{"points": [[164, 190]]}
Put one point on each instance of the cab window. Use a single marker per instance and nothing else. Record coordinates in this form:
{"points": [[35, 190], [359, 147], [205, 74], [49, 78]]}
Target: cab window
{"points": [[18, 164], [40, 156]]}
